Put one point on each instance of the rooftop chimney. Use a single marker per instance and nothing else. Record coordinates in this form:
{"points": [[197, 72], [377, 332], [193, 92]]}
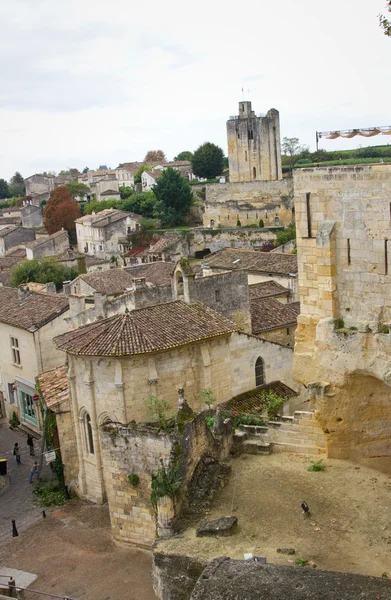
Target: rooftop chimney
{"points": [[23, 292]]}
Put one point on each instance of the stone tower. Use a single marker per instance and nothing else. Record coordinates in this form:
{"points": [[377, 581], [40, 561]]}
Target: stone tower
{"points": [[254, 149]]}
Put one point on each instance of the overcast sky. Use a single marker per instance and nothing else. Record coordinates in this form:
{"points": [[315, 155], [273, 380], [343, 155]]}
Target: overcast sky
{"points": [[89, 82]]}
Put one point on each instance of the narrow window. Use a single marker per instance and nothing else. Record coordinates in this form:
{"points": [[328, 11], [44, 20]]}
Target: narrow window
{"points": [[287, 330], [259, 372], [217, 295], [307, 201], [90, 439], [276, 221], [254, 173], [386, 257], [349, 258], [15, 351], [245, 155]]}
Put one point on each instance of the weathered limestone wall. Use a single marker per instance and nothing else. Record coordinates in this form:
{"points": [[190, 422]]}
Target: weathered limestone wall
{"points": [[127, 451], [285, 336], [236, 237], [343, 224], [57, 244], [249, 201], [67, 438]]}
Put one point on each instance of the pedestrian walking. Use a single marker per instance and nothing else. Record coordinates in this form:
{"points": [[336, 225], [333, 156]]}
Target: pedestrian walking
{"points": [[17, 453], [34, 471], [30, 443]]}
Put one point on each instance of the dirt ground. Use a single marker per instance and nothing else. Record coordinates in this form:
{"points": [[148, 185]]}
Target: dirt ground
{"points": [[350, 524], [73, 555]]}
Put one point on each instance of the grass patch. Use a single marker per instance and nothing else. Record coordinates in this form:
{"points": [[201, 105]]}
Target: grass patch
{"points": [[316, 465], [300, 562]]}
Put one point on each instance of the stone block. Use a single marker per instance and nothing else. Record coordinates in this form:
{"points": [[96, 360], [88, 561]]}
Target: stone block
{"points": [[224, 526]]}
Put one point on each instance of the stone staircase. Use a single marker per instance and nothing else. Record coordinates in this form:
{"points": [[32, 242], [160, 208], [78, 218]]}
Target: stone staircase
{"points": [[299, 434]]}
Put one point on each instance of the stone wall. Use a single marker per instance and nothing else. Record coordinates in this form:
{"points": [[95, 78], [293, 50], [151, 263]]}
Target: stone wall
{"points": [[249, 201], [285, 336], [67, 438], [31, 216], [343, 224], [16, 238], [54, 244], [213, 240]]}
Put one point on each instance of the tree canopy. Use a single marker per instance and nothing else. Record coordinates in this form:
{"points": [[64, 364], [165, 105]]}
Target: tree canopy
{"points": [[139, 172], [291, 147], [4, 190], [155, 156], [174, 195], [286, 235], [185, 155], [77, 189], [384, 23], [41, 271], [61, 211], [208, 161]]}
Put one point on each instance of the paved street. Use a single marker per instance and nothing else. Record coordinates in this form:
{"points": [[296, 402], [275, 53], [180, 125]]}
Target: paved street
{"points": [[17, 499]]}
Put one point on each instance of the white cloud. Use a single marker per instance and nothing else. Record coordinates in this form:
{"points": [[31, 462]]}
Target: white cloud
{"points": [[85, 82]]}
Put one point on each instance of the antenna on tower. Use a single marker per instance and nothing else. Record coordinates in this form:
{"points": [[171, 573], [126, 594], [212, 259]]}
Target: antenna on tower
{"points": [[243, 93]]}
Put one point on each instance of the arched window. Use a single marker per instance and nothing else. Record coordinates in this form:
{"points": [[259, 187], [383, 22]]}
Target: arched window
{"points": [[88, 434], [259, 372], [254, 173], [276, 221]]}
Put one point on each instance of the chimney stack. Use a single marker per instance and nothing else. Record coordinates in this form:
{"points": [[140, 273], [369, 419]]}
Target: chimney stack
{"points": [[23, 292]]}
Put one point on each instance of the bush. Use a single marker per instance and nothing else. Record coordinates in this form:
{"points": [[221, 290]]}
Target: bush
{"points": [[238, 223], [14, 421], [165, 484], [286, 235], [261, 223], [207, 397], [49, 493], [274, 405], [158, 410], [317, 465], [133, 479]]}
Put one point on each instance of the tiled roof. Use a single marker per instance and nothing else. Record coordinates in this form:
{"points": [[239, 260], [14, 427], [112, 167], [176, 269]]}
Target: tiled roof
{"points": [[158, 273], [254, 400], [32, 312], [266, 289], [53, 385], [112, 281], [21, 252], [104, 217], [153, 329], [165, 242], [269, 313], [6, 230], [43, 240], [7, 262], [155, 173], [110, 193], [251, 260]]}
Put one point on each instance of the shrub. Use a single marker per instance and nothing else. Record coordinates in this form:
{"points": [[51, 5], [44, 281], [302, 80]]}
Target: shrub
{"points": [[207, 397], [316, 465], [158, 410], [49, 493], [133, 479], [238, 223], [301, 562], [339, 323], [274, 405], [261, 223], [210, 421], [14, 421], [165, 484]]}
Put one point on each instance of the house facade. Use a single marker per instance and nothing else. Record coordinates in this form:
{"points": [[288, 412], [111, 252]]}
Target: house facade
{"points": [[12, 236], [52, 245], [28, 323], [99, 234]]}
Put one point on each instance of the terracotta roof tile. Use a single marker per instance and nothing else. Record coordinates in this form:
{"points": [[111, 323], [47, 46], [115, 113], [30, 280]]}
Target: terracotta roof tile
{"points": [[10, 220], [254, 400], [104, 217], [112, 281], [32, 312], [251, 260], [266, 289], [158, 273], [6, 230], [54, 386], [153, 329], [269, 313], [167, 241], [44, 239]]}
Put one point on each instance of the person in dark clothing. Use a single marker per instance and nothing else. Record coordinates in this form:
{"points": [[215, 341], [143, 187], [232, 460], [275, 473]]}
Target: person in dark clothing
{"points": [[17, 453], [30, 443]]}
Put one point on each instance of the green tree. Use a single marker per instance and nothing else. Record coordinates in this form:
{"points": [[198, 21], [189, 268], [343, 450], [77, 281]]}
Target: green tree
{"points": [[291, 147], [41, 271], [155, 156], [173, 194], [125, 192], [208, 161], [77, 189], [4, 190], [85, 170], [140, 171], [286, 235], [185, 155], [384, 23], [17, 178]]}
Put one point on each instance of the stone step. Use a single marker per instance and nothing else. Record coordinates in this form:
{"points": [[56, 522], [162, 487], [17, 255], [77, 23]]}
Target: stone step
{"points": [[287, 418], [253, 429], [240, 436], [254, 447], [301, 414], [296, 449], [275, 424]]}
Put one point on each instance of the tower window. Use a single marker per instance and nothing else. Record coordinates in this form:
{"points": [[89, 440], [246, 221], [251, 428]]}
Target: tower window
{"points": [[386, 257], [259, 372], [254, 173], [251, 135], [308, 206], [245, 155], [348, 248]]}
